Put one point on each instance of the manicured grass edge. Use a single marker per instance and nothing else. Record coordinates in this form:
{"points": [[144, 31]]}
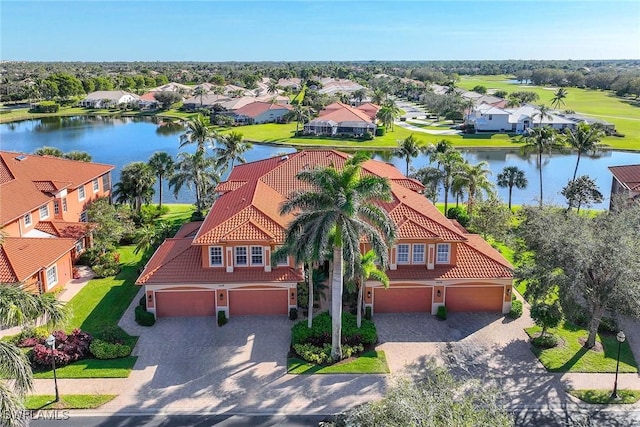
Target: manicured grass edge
{"points": [[68, 401], [369, 362], [92, 368], [603, 397]]}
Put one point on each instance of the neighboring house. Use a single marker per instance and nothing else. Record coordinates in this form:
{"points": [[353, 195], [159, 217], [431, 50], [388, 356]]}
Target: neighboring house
{"points": [[43, 202], [339, 119], [292, 82], [173, 87], [108, 99], [205, 101], [332, 86], [224, 263], [626, 181], [489, 118], [610, 128], [148, 101], [261, 112]]}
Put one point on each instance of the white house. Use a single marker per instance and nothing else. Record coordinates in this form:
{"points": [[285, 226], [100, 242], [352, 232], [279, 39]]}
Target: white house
{"points": [[488, 118], [108, 98]]}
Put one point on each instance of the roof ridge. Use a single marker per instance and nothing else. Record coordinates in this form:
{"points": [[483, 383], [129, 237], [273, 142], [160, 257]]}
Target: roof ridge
{"points": [[168, 260]]}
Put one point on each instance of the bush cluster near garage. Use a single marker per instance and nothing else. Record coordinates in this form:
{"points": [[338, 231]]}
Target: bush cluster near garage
{"points": [[314, 344]]}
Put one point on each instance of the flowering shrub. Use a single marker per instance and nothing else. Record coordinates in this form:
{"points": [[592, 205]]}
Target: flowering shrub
{"points": [[29, 342], [68, 348]]}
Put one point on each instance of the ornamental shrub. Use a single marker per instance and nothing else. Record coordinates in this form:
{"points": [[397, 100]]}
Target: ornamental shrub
{"points": [[545, 341], [313, 354], [380, 131], [546, 315], [459, 215], [143, 317], [293, 314], [107, 264], [105, 350], [112, 334], [222, 318], [320, 331], [367, 313], [442, 312], [516, 309], [69, 348], [46, 107]]}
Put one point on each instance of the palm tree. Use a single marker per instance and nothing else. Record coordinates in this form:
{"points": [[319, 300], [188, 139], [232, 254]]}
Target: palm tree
{"points": [[232, 148], [368, 270], [408, 148], [540, 140], [82, 156], [584, 139], [359, 95], [49, 151], [379, 96], [198, 132], [301, 112], [162, 165], [475, 181], [511, 177], [340, 203], [135, 186], [558, 97], [431, 178], [388, 113], [200, 91], [19, 308], [543, 112], [196, 171], [450, 161], [272, 87]]}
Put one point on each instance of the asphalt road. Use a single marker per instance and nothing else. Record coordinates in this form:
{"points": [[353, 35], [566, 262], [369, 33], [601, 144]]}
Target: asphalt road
{"points": [[526, 417]]}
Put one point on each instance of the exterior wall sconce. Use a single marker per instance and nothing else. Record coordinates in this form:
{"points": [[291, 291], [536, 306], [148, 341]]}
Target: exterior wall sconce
{"points": [[439, 293], [221, 296], [368, 294], [508, 291], [293, 295], [149, 297]]}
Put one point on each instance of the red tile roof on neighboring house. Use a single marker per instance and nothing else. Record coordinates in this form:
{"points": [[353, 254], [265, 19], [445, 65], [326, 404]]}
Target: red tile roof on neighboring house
{"points": [[627, 175], [149, 97], [339, 112], [370, 108], [188, 230], [178, 262], [258, 108], [22, 257], [25, 178], [72, 230]]}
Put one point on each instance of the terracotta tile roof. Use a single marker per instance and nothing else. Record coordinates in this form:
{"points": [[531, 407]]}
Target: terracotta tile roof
{"points": [[72, 230], [257, 108], [188, 230], [370, 109], [339, 112], [223, 187], [627, 175], [23, 257], [177, 261], [149, 97], [33, 175]]}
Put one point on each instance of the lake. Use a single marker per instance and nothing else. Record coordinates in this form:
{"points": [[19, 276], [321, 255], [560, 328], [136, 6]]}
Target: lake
{"points": [[119, 141]]}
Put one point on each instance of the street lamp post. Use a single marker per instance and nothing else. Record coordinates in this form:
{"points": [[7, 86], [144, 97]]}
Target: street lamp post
{"points": [[620, 337], [51, 342]]}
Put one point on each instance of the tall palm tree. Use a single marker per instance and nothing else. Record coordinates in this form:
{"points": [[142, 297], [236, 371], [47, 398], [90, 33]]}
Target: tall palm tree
{"points": [[20, 308], [379, 96], [272, 87], [135, 186], [558, 97], [543, 112], [162, 165], [359, 95], [301, 112], [340, 203], [232, 148], [198, 132], [368, 270], [195, 171], [512, 176], [81, 156], [540, 140], [409, 148], [476, 181], [201, 92], [388, 113], [450, 161], [584, 139]]}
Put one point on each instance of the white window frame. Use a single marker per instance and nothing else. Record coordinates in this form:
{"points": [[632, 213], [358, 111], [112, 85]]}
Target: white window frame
{"points": [[44, 209], [53, 272], [407, 253], [79, 246], [211, 255], [423, 253], [64, 204], [96, 185], [236, 254], [251, 254], [56, 207], [27, 219], [447, 253], [84, 217], [81, 193]]}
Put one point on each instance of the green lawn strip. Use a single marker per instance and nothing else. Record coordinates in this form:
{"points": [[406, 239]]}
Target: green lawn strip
{"points": [[604, 396], [571, 356], [178, 214], [92, 368], [369, 362], [68, 401]]}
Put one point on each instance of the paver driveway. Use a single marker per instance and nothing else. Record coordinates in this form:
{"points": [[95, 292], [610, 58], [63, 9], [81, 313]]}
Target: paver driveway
{"points": [[193, 365]]}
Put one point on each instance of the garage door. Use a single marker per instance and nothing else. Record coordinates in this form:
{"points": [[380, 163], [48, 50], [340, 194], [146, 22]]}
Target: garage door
{"points": [[187, 304], [245, 302], [402, 300], [474, 299]]}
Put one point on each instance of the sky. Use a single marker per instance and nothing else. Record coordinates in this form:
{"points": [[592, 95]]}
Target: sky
{"points": [[300, 30]]}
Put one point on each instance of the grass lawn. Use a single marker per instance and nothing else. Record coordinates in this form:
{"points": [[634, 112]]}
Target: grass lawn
{"points": [[570, 356], [69, 401], [604, 396], [596, 103], [92, 368], [178, 214], [369, 362]]}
